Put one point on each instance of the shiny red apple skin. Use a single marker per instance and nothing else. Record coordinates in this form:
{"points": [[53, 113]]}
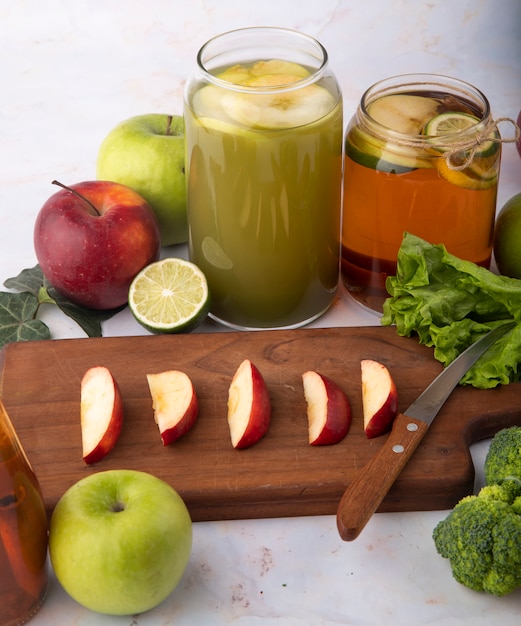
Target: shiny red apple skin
{"points": [[249, 406], [328, 409], [379, 398], [91, 257], [175, 404], [518, 142], [102, 413]]}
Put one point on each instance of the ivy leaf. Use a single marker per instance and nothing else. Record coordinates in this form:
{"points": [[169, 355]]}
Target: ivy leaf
{"points": [[19, 310], [29, 280], [17, 318], [88, 319]]}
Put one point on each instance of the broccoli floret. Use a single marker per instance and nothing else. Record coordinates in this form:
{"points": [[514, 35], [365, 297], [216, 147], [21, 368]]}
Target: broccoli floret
{"points": [[503, 459], [506, 491], [482, 539]]}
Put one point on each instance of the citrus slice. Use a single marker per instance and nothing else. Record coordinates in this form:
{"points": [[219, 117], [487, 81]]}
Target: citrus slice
{"points": [[373, 161], [169, 296], [469, 178], [380, 155], [449, 122], [452, 122]]}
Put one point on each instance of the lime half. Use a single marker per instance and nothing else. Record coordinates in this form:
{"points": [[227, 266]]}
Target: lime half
{"points": [[169, 296]]}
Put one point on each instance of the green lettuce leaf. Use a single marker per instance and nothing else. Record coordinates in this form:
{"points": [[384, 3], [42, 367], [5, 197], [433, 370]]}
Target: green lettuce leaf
{"points": [[449, 303]]}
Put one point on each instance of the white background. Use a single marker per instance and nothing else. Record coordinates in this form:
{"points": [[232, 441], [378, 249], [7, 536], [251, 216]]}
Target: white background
{"points": [[70, 72]]}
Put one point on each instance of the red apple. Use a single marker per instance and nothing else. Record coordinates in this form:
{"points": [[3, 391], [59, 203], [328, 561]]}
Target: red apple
{"points": [[92, 238], [101, 411], [518, 142], [379, 398], [174, 402], [328, 409], [249, 406]]}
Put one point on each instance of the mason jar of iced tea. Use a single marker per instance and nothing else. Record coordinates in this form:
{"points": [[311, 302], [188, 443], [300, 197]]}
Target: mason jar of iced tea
{"points": [[422, 155], [23, 532], [264, 131]]}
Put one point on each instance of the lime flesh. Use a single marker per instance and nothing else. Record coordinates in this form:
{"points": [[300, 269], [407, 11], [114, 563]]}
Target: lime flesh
{"points": [[169, 296]]}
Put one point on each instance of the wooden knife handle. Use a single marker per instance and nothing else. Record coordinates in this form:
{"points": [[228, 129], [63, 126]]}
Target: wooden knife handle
{"points": [[371, 484]]}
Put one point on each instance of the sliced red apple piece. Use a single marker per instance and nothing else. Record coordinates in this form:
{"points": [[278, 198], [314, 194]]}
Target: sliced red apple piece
{"points": [[379, 398], [101, 412], [249, 406], [174, 402], [328, 409]]}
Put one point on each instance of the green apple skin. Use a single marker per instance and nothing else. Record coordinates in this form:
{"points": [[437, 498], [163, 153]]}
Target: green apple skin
{"points": [[120, 541], [507, 238], [146, 153]]}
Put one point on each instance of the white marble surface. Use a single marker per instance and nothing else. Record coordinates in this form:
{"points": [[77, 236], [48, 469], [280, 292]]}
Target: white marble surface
{"points": [[71, 71]]}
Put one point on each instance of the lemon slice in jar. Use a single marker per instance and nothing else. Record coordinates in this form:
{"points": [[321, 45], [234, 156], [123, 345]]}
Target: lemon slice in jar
{"points": [[472, 177]]}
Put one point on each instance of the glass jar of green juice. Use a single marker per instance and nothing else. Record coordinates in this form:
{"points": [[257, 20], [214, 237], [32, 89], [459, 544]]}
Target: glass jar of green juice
{"points": [[263, 126]]}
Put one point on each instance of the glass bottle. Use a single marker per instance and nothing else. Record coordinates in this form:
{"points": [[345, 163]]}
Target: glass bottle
{"points": [[23, 532]]}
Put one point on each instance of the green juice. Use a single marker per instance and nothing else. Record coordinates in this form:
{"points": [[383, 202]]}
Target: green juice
{"points": [[264, 195]]}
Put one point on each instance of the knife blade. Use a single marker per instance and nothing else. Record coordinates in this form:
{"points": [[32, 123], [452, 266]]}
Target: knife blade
{"points": [[371, 484]]}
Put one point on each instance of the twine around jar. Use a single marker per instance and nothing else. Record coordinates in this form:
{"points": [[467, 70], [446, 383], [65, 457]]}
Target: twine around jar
{"points": [[469, 146], [473, 144]]}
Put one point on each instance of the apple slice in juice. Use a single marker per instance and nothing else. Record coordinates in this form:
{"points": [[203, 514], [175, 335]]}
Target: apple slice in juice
{"points": [[261, 109], [404, 113], [287, 109]]}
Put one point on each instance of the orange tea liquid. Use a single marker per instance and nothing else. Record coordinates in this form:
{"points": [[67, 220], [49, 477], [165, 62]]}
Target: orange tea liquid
{"points": [[382, 206], [23, 534], [390, 188]]}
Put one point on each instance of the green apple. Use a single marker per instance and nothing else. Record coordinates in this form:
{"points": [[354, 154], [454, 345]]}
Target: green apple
{"points": [[119, 541], [147, 153], [507, 238]]}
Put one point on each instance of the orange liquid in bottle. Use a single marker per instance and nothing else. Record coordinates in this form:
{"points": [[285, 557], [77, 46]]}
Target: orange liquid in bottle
{"points": [[23, 532]]}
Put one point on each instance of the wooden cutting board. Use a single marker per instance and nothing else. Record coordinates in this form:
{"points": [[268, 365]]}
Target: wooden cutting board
{"points": [[280, 476]]}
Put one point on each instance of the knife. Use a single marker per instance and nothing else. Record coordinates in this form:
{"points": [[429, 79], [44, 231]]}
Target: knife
{"points": [[371, 484]]}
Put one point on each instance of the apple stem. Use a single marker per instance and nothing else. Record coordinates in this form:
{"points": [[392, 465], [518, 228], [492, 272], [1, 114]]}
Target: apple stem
{"points": [[56, 182], [168, 125]]}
